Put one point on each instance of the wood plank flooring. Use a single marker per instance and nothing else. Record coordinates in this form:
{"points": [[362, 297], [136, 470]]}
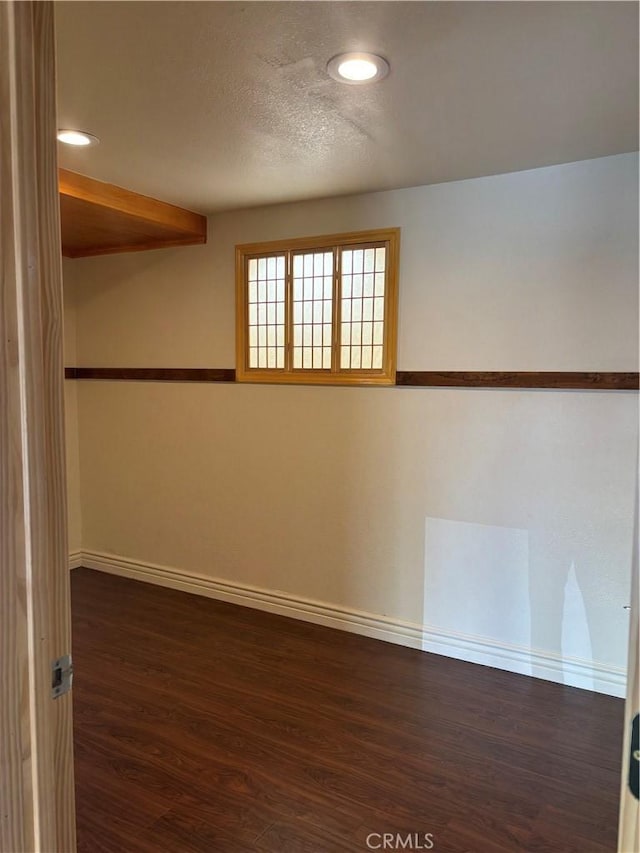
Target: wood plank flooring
{"points": [[201, 726]]}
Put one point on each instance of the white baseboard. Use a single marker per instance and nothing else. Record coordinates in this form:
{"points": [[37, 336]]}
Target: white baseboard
{"points": [[481, 650], [573, 672], [75, 559]]}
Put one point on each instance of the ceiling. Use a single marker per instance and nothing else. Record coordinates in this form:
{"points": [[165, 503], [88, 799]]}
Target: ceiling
{"points": [[221, 105]]}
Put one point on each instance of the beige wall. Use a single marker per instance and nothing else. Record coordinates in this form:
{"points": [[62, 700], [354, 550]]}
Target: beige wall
{"points": [[500, 520]]}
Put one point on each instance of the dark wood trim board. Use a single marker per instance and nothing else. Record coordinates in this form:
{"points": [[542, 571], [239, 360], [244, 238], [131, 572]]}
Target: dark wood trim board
{"points": [[153, 374], [559, 380], [563, 380]]}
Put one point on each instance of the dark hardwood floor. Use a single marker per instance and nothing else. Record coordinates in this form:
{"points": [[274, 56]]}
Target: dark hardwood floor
{"points": [[202, 726]]}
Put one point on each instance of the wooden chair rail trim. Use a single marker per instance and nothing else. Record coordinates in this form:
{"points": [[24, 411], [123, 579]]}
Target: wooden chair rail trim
{"points": [[558, 380], [549, 379], [153, 374]]}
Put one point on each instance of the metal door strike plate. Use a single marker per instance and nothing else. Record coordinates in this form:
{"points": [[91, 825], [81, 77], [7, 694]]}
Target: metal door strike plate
{"points": [[61, 676]]}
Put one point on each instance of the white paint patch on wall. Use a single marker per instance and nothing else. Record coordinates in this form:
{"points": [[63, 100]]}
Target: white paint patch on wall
{"points": [[576, 636], [476, 581]]}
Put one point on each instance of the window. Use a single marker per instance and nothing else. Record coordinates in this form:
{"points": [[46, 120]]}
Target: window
{"points": [[319, 309]]}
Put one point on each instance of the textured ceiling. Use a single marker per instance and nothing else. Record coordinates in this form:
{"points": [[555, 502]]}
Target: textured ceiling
{"points": [[216, 105]]}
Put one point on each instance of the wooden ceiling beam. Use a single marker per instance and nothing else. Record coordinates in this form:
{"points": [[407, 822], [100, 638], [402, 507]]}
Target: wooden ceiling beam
{"points": [[100, 219]]}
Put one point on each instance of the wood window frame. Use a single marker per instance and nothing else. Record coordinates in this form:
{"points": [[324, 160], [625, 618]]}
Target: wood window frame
{"points": [[390, 237]]}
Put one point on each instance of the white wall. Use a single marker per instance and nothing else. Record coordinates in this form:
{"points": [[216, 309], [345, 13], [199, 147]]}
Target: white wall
{"points": [[450, 509]]}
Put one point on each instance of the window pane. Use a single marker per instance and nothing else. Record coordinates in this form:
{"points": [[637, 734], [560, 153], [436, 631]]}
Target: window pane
{"points": [[369, 259], [362, 284], [308, 266], [266, 311], [308, 288], [312, 309]]}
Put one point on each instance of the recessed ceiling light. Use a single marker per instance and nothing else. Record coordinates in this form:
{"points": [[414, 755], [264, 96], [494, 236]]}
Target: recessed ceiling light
{"points": [[77, 137], [357, 68]]}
